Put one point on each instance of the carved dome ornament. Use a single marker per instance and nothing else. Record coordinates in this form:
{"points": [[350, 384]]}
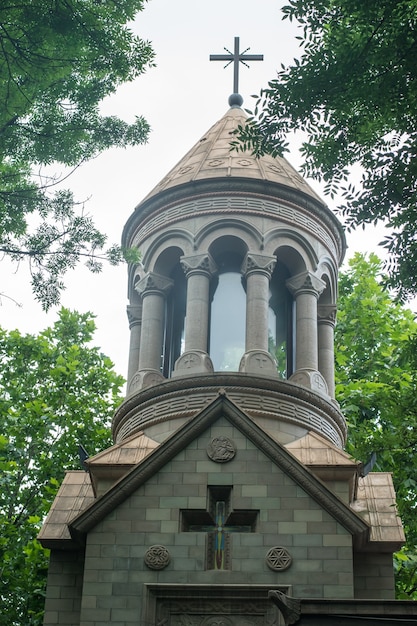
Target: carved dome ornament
{"points": [[221, 449], [278, 559], [157, 557]]}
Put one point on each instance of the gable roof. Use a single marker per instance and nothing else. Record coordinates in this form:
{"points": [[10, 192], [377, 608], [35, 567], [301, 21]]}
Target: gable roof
{"points": [[221, 407]]}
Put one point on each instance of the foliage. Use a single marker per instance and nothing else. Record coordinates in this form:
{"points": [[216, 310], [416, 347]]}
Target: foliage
{"points": [[376, 385], [56, 391], [353, 94], [58, 60]]}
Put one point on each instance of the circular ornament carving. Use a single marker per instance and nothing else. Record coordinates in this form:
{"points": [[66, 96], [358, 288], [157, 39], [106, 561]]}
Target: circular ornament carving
{"points": [[157, 557], [217, 621], [278, 559], [185, 169], [221, 449], [244, 162], [215, 162]]}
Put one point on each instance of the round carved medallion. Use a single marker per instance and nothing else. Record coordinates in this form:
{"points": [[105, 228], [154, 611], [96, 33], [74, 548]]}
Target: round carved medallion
{"points": [[278, 558], [157, 557], [221, 449]]}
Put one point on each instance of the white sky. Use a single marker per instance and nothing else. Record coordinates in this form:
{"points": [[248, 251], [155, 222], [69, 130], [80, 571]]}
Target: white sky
{"points": [[181, 99]]}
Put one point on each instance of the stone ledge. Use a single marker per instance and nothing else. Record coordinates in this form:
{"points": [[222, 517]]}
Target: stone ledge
{"points": [[259, 396]]}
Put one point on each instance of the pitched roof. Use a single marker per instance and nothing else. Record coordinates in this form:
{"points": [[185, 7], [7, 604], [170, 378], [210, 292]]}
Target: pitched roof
{"points": [[74, 495], [222, 407]]}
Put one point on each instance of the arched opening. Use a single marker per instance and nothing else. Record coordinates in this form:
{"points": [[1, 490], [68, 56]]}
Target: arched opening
{"points": [[280, 322], [228, 305], [168, 264]]}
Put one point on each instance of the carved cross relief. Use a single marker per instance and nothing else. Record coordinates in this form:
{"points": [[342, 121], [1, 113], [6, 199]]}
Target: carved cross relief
{"points": [[219, 521]]}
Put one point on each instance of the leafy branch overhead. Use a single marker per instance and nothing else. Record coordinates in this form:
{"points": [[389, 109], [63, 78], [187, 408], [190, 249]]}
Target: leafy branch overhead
{"points": [[352, 92], [58, 61]]}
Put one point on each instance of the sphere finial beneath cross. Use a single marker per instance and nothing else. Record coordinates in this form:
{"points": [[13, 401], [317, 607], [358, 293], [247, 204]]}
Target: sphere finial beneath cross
{"points": [[235, 100]]}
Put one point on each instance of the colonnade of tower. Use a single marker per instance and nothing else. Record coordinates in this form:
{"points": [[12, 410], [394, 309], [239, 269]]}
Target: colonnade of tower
{"points": [[238, 274]]}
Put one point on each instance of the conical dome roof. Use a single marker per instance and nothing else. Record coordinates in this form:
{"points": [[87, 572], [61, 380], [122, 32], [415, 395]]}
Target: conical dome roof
{"points": [[212, 157]]}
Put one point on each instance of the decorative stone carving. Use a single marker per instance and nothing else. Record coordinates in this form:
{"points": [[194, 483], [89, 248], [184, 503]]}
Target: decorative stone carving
{"points": [[318, 223], [134, 314], [143, 379], [306, 282], [310, 379], [258, 362], [215, 162], [221, 449], [258, 263], [326, 314], [199, 263], [265, 398], [290, 608], [153, 282], [157, 557], [193, 362], [278, 559]]}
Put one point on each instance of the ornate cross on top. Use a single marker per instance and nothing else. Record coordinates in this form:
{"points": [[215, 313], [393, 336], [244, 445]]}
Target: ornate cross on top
{"points": [[236, 57], [219, 521]]}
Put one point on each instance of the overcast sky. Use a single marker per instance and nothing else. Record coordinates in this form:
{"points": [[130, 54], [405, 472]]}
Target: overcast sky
{"points": [[181, 99]]}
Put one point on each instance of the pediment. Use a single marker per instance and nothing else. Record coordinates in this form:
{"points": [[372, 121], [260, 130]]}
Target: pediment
{"points": [[220, 409]]}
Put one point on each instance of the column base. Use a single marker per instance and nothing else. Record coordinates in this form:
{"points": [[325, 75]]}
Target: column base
{"points": [[258, 362], [193, 362], [312, 379], [144, 378]]}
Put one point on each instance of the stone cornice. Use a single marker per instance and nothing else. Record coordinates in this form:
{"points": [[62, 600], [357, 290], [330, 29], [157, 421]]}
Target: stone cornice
{"points": [[235, 382], [239, 187], [222, 407]]}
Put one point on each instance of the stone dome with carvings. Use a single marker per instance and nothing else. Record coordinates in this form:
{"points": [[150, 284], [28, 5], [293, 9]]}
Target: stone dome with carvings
{"points": [[212, 157]]}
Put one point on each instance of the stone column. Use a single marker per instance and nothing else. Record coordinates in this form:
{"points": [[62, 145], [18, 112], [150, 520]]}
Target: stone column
{"points": [[199, 270], [152, 289], [134, 314], [257, 269], [326, 323], [306, 288]]}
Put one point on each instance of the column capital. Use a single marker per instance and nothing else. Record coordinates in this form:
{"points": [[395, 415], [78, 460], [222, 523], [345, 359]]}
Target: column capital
{"points": [[326, 314], [305, 283], [154, 283], [198, 264], [258, 263], [134, 314]]}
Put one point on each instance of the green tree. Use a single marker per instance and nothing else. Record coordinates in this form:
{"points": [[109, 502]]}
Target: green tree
{"points": [[376, 386], [56, 391], [58, 60], [353, 94]]}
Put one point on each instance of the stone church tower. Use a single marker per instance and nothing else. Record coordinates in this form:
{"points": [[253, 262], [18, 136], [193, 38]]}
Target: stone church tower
{"points": [[227, 498]]}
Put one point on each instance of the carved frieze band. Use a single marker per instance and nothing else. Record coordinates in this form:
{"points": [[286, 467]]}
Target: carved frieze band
{"points": [[252, 402], [241, 205], [152, 283], [202, 263]]}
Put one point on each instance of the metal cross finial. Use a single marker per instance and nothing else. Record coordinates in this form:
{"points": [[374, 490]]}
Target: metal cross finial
{"points": [[236, 57]]}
